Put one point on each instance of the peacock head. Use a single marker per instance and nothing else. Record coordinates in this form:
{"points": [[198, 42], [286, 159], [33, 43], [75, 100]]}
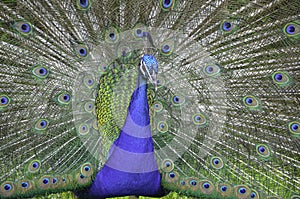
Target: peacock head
{"points": [[149, 68]]}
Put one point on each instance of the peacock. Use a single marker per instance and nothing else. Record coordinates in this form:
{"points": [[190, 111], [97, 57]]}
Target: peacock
{"points": [[109, 98]]}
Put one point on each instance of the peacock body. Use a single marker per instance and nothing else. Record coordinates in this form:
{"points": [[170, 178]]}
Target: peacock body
{"points": [[113, 98]]}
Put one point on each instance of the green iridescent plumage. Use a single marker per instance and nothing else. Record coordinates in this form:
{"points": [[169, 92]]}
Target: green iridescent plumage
{"points": [[224, 117]]}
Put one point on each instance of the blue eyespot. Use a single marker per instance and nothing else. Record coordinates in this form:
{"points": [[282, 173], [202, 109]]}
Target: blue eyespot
{"points": [[35, 165], [261, 149], [43, 123], [167, 3], [172, 175], [227, 26], [7, 187], [168, 164], [253, 195], [112, 36], [66, 97], [43, 71], [278, 77], [176, 99], [206, 185], [209, 69], [242, 190], [216, 161], [224, 188], [139, 33], [197, 118], [87, 168], [166, 48], [290, 29], [25, 184], [25, 27], [90, 82], [4, 100], [81, 176], [295, 127], [82, 52], [84, 3], [249, 100], [46, 180], [193, 182], [54, 181]]}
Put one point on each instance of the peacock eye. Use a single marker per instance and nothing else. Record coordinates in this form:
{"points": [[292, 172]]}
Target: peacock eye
{"points": [[81, 51], [251, 102], [281, 78], [167, 47], [217, 163], [40, 72], [41, 124], [25, 184], [292, 29], [162, 127], [242, 191], [172, 175], [223, 188], [83, 129], [158, 106], [193, 182], [252, 195], [228, 26], [23, 27], [112, 35], [206, 185], [103, 69], [167, 4], [46, 180], [139, 33], [4, 101], [199, 119], [178, 100], [89, 107], [294, 128], [263, 150], [34, 166], [212, 70], [64, 98], [89, 81], [7, 187], [54, 180], [83, 4], [86, 169], [167, 165]]}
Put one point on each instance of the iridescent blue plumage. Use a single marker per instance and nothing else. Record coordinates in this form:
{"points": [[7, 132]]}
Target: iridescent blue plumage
{"points": [[131, 166]]}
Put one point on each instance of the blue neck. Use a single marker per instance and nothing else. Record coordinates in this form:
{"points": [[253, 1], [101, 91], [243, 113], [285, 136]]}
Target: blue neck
{"points": [[131, 166]]}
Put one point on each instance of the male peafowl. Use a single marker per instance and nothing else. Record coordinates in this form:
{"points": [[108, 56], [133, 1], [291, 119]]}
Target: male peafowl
{"points": [[132, 97]]}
